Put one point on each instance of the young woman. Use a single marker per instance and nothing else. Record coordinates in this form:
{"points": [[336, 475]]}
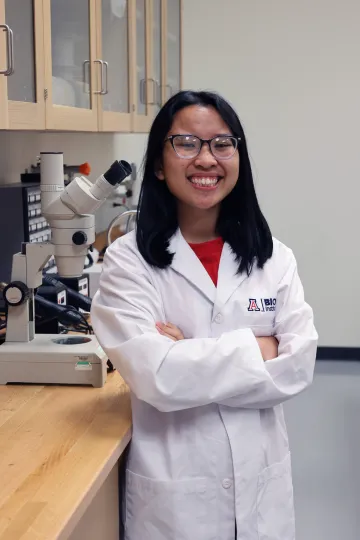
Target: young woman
{"points": [[203, 314]]}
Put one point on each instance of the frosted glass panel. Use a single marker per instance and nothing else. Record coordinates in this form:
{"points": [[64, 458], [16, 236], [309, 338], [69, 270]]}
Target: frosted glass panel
{"points": [[70, 45], [173, 47], [19, 15], [141, 55], [115, 53], [157, 52]]}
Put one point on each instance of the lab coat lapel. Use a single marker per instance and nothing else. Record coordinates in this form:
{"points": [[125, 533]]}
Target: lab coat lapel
{"points": [[228, 279], [186, 263]]}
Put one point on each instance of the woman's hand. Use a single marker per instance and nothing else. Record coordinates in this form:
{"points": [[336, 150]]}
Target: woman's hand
{"points": [[169, 330], [269, 347]]}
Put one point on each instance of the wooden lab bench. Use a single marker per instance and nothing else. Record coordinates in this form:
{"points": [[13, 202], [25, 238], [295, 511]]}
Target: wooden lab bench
{"points": [[59, 459]]}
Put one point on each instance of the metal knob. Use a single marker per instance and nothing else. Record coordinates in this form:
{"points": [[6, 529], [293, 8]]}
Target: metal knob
{"points": [[79, 238], [16, 293]]}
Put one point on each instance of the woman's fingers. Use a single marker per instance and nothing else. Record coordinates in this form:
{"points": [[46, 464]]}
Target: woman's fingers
{"points": [[170, 330]]}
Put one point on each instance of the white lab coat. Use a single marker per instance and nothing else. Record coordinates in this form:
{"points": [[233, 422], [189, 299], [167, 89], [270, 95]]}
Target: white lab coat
{"points": [[209, 439]]}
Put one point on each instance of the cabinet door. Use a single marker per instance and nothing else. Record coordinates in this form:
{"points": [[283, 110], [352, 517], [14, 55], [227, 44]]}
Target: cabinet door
{"points": [[4, 66], [157, 55], [24, 85], [140, 20], [172, 57], [72, 72], [113, 53]]}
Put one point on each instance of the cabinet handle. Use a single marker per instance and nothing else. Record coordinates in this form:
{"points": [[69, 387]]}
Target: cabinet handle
{"points": [[155, 92], [10, 68], [171, 90], [86, 88], [159, 87], [143, 91], [105, 67], [101, 91]]}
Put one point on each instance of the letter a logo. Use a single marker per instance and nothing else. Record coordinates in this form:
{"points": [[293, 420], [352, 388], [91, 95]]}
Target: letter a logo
{"points": [[253, 305]]}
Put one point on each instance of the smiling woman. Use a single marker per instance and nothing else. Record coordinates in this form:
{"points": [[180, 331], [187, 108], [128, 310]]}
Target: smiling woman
{"points": [[193, 171], [197, 148], [203, 314]]}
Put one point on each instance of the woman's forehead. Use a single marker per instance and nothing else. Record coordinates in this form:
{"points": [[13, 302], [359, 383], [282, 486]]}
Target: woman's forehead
{"points": [[205, 122]]}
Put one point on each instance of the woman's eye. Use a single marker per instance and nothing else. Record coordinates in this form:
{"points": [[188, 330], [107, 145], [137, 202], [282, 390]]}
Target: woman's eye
{"points": [[223, 145], [186, 144]]}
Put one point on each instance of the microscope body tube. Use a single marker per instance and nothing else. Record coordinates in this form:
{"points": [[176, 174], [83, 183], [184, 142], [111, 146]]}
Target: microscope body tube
{"points": [[51, 177]]}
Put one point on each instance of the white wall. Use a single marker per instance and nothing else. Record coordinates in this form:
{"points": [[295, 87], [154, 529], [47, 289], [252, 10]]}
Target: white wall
{"points": [[324, 435], [18, 150], [291, 69]]}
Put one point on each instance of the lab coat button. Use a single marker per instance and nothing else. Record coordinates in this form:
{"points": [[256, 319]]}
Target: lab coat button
{"points": [[218, 318], [226, 483]]}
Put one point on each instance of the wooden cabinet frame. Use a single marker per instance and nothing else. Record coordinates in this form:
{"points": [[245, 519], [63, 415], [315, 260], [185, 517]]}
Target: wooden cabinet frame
{"points": [[4, 116], [19, 115], [44, 114]]}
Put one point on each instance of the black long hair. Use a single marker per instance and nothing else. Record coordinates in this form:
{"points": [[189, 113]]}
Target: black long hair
{"points": [[241, 223]]}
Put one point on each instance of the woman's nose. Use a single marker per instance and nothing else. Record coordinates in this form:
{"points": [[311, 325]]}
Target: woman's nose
{"points": [[205, 158]]}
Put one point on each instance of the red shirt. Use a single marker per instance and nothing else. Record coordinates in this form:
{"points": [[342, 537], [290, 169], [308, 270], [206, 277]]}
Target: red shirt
{"points": [[209, 254]]}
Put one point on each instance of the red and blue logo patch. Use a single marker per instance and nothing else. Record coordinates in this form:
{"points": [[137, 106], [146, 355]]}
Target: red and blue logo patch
{"points": [[265, 304]]}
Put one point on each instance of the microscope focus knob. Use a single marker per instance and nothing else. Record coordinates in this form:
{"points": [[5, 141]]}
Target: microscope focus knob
{"points": [[79, 238], [16, 293]]}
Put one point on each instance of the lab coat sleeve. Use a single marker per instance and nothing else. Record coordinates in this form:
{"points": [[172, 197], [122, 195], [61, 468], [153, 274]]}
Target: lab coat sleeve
{"points": [[166, 374], [292, 371]]}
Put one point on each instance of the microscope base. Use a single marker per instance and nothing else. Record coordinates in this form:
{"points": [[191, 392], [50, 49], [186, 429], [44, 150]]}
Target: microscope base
{"points": [[54, 359]]}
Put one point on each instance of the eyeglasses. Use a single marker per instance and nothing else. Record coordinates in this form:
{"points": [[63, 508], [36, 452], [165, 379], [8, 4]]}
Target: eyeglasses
{"points": [[189, 146]]}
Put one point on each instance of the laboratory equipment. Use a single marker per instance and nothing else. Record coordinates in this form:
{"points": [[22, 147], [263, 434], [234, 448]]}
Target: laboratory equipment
{"points": [[46, 321], [45, 359], [77, 290], [127, 220], [21, 220]]}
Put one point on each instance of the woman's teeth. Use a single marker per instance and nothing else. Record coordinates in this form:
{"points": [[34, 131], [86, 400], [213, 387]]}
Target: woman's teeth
{"points": [[206, 181]]}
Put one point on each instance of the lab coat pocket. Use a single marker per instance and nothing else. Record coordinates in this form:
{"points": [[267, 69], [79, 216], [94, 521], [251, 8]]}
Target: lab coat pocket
{"points": [[275, 505], [169, 510]]}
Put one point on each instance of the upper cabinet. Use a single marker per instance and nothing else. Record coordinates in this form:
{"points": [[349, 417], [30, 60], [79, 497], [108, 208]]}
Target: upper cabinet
{"points": [[140, 32], [21, 64], [157, 54], [87, 65], [70, 65], [113, 49], [172, 17]]}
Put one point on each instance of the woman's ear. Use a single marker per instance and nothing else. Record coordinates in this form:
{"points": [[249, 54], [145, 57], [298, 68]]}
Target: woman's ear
{"points": [[159, 172]]}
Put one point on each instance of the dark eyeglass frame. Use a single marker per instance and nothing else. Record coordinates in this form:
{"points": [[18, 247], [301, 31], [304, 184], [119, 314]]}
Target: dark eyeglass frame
{"points": [[203, 141]]}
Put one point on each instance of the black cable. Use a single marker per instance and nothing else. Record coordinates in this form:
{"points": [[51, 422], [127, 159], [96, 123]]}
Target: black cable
{"points": [[75, 298], [78, 328], [87, 325]]}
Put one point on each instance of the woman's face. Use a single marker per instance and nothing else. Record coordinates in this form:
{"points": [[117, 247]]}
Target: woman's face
{"points": [[204, 181]]}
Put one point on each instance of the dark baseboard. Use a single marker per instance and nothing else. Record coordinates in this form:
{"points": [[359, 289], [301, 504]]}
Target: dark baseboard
{"points": [[338, 353]]}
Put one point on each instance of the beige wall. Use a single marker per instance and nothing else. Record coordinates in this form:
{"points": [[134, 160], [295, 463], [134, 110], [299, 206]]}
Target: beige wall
{"points": [[291, 69]]}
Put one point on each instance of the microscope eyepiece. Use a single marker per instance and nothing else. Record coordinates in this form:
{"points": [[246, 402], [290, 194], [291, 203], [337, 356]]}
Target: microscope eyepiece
{"points": [[118, 171]]}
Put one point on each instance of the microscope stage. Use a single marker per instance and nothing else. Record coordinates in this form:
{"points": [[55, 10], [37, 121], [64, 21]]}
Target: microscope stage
{"points": [[54, 359]]}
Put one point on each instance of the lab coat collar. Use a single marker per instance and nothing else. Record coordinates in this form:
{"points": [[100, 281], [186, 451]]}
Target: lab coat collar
{"points": [[186, 263], [228, 279]]}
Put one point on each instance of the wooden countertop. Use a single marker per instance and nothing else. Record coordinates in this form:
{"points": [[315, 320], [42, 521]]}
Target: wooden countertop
{"points": [[57, 445]]}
